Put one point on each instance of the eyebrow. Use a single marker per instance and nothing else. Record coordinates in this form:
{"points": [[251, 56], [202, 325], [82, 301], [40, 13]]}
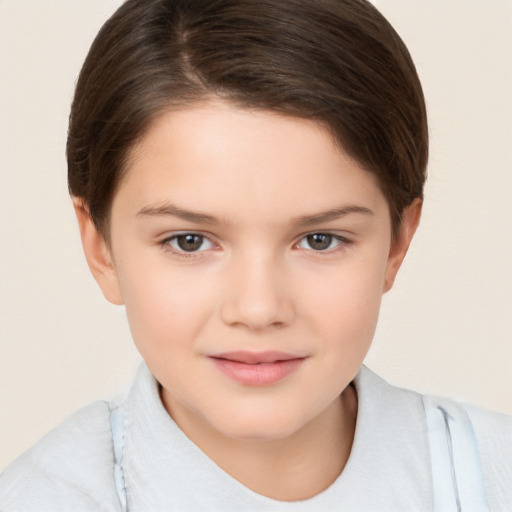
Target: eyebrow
{"points": [[336, 213], [169, 209]]}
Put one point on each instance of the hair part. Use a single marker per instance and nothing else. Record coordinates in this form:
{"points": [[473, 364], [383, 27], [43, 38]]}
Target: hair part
{"points": [[338, 62]]}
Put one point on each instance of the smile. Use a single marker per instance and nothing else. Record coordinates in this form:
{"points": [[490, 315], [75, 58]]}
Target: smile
{"points": [[257, 368]]}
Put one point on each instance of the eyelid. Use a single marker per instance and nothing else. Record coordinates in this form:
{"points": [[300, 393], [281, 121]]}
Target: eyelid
{"points": [[343, 241], [165, 243]]}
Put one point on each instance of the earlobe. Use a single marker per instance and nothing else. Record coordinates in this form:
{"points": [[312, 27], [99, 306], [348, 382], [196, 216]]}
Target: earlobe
{"points": [[98, 254], [399, 246]]}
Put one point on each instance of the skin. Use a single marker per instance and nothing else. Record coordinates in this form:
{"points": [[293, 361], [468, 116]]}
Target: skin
{"points": [[260, 182]]}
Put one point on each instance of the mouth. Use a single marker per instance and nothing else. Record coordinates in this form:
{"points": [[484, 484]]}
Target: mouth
{"points": [[257, 368]]}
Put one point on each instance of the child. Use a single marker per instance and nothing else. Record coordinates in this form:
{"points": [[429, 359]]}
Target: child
{"points": [[247, 177]]}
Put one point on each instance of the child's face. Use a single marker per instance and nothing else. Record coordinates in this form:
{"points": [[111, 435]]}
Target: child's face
{"points": [[242, 237]]}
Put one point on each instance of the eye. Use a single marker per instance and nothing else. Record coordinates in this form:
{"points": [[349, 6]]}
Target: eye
{"points": [[321, 241], [189, 242]]}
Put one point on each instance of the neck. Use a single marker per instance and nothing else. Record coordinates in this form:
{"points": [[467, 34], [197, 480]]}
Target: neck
{"points": [[291, 469]]}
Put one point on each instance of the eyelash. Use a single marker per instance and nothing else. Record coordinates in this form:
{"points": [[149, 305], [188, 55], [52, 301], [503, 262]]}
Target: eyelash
{"points": [[166, 244], [341, 242]]}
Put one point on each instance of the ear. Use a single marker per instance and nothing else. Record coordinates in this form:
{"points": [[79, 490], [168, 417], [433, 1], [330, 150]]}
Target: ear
{"points": [[399, 246], [98, 254]]}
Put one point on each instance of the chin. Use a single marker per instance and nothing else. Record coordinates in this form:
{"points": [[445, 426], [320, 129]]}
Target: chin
{"points": [[268, 427]]}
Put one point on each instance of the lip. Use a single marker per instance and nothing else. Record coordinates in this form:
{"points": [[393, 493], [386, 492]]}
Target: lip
{"points": [[257, 368]]}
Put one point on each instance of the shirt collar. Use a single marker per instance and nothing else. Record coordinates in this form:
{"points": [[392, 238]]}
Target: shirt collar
{"points": [[388, 468]]}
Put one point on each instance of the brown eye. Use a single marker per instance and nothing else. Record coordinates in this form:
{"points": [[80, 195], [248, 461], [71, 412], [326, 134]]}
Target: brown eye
{"points": [[189, 242], [319, 241]]}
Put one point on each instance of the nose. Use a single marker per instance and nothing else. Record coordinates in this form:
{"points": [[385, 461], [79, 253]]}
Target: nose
{"points": [[256, 295]]}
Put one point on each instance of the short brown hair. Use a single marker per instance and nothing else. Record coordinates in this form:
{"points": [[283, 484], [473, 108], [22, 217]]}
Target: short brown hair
{"points": [[335, 61]]}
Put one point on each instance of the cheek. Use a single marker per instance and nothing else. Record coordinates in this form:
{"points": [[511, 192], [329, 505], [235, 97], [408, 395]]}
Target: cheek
{"points": [[347, 305], [166, 307]]}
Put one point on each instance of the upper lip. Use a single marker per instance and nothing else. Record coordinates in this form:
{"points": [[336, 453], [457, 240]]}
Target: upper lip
{"points": [[248, 357]]}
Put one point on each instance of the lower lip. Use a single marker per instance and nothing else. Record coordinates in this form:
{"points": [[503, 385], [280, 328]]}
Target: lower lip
{"points": [[263, 374]]}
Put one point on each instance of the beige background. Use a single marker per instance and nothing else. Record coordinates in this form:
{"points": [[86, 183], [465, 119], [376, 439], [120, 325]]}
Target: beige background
{"points": [[446, 328]]}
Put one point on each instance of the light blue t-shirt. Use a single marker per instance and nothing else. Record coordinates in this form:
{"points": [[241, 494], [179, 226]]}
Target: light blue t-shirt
{"points": [[389, 469]]}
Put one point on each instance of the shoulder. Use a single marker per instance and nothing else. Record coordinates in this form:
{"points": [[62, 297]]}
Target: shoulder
{"points": [[467, 426], [493, 432], [493, 429], [71, 468]]}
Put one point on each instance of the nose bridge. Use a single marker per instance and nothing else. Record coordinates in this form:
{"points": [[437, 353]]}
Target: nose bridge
{"points": [[256, 296]]}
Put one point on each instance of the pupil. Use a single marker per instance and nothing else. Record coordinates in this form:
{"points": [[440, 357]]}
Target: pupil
{"points": [[190, 243], [319, 241]]}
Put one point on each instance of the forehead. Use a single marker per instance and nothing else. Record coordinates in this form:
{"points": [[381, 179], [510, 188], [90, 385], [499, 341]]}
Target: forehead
{"points": [[219, 157]]}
